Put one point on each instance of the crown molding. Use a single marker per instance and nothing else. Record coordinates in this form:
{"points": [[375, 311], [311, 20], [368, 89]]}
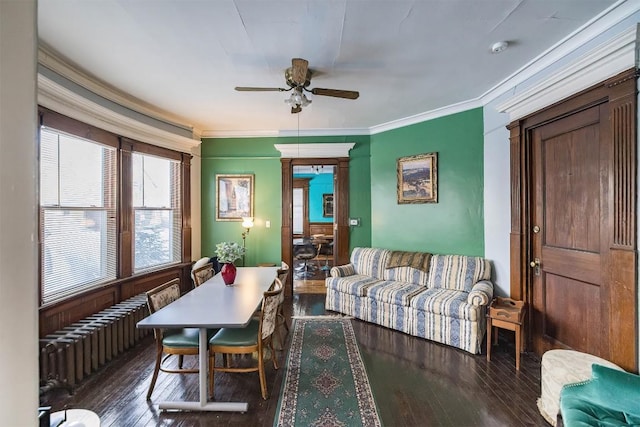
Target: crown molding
{"points": [[306, 151], [429, 115], [55, 97], [283, 133], [605, 61], [606, 20], [51, 60]]}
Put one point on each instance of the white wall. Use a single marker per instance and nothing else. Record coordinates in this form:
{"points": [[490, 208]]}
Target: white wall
{"points": [[18, 252], [497, 202]]}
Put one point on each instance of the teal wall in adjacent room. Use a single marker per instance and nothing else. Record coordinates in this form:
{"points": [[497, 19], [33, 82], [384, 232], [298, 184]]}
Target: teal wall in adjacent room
{"points": [[258, 156], [318, 186], [454, 225]]}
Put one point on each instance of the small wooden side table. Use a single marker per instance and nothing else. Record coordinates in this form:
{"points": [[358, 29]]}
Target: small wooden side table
{"points": [[506, 313]]}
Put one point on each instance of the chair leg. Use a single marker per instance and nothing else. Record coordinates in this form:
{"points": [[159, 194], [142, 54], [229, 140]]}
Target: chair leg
{"points": [[212, 363], [263, 379], [180, 360], [156, 369], [273, 354]]}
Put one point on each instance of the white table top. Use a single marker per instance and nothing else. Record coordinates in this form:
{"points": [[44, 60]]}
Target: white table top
{"points": [[215, 305]]}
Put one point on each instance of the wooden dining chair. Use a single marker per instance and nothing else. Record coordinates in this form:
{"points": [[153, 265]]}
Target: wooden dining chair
{"points": [[202, 274], [178, 342], [255, 337]]}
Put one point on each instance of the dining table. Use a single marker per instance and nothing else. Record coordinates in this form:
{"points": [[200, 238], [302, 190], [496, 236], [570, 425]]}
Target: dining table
{"points": [[213, 305]]}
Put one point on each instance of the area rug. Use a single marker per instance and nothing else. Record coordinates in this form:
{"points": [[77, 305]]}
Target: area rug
{"points": [[325, 382]]}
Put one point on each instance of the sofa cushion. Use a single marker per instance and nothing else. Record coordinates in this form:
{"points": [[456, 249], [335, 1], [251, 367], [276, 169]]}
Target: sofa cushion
{"points": [[446, 302], [457, 272], [370, 261], [399, 293], [353, 285], [407, 275]]}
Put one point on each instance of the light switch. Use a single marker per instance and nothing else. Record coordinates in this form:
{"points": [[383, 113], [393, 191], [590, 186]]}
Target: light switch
{"points": [[267, 224], [354, 222]]}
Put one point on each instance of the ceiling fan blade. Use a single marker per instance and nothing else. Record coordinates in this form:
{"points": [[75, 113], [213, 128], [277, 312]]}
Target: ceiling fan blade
{"points": [[299, 70], [259, 89], [347, 94]]}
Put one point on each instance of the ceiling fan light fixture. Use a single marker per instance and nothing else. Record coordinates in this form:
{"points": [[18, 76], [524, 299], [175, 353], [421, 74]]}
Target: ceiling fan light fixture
{"points": [[297, 99]]}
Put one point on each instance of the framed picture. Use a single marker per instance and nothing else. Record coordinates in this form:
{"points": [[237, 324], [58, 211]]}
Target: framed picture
{"points": [[418, 178], [234, 197], [327, 205]]}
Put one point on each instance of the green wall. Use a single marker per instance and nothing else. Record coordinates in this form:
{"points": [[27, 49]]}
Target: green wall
{"points": [[454, 225], [258, 156]]}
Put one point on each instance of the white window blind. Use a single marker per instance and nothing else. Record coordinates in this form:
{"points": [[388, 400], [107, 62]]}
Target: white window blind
{"points": [[157, 211], [77, 214]]}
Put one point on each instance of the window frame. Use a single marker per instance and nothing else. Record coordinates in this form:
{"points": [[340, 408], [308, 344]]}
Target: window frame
{"points": [[124, 200]]}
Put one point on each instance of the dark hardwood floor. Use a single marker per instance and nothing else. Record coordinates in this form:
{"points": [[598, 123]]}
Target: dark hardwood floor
{"points": [[415, 383]]}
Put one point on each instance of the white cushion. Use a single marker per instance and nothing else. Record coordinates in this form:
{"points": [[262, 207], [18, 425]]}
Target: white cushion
{"points": [[560, 367]]}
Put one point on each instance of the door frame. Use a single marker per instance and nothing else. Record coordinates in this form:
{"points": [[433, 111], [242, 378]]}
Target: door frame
{"points": [[341, 209], [621, 94]]}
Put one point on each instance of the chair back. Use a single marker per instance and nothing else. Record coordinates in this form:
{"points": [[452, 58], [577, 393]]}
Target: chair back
{"points": [[202, 274], [305, 250], [283, 273], [163, 295], [270, 304]]}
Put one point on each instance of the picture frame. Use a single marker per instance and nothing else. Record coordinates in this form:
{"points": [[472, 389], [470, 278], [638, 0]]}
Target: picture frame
{"points": [[234, 196], [418, 178], [327, 205]]}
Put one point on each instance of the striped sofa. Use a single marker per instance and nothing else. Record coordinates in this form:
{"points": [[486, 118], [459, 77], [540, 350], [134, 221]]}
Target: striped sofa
{"points": [[445, 302]]}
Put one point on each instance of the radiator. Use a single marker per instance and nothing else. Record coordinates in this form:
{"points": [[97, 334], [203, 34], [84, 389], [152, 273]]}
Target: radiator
{"points": [[67, 356]]}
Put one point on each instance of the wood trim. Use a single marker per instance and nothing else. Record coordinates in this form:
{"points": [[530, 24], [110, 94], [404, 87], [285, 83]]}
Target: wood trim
{"points": [[341, 220], [125, 211], [185, 181], [57, 315], [286, 231], [341, 198], [71, 126], [620, 93]]}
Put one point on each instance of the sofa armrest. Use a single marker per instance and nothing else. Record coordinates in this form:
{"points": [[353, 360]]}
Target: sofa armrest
{"points": [[481, 293], [343, 270]]}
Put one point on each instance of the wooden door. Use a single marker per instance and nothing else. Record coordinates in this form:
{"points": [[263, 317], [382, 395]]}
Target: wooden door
{"points": [[570, 185], [573, 214]]}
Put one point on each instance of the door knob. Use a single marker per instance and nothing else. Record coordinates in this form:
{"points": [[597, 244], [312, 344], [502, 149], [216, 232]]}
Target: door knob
{"points": [[536, 265]]}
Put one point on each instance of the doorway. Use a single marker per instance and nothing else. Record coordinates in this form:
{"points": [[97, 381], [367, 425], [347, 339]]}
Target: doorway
{"points": [[573, 236], [315, 209], [313, 190]]}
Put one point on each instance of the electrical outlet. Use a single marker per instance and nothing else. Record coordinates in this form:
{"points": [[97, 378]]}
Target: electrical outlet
{"points": [[267, 224], [354, 222]]}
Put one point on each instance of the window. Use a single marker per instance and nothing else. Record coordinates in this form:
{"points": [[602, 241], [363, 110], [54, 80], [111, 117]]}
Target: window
{"points": [[110, 208], [77, 213], [157, 211]]}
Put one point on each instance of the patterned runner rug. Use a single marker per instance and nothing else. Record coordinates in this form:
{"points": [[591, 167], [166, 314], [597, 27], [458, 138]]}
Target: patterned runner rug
{"points": [[325, 382]]}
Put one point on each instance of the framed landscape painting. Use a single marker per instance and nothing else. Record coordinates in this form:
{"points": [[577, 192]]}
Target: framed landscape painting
{"points": [[234, 197], [418, 178]]}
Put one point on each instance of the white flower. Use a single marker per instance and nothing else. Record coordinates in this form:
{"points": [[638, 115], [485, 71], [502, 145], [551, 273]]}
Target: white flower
{"points": [[228, 252]]}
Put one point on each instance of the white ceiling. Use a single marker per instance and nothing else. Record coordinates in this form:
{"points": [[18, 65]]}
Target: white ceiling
{"points": [[184, 57]]}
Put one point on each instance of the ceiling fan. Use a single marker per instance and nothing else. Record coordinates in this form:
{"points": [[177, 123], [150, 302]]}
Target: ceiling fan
{"points": [[298, 78]]}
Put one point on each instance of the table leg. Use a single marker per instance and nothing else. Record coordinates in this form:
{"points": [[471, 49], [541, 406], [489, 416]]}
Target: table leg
{"points": [[203, 405]]}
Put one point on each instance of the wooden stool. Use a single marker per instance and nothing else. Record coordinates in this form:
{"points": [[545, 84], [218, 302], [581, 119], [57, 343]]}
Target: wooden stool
{"points": [[507, 314]]}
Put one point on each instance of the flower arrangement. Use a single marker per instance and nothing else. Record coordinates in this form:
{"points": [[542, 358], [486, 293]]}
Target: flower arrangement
{"points": [[228, 252]]}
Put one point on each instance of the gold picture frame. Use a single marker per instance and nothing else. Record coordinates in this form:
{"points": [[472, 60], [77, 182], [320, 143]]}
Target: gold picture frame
{"points": [[327, 205], [234, 197], [418, 178]]}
